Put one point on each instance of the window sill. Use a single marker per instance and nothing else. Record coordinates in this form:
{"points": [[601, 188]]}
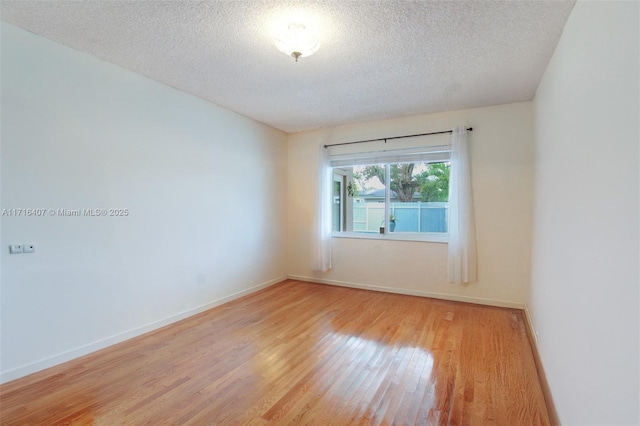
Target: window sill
{"points": [[396, 236]]}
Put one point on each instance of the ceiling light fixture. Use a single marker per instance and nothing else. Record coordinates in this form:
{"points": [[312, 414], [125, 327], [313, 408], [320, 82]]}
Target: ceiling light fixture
{"points": [[297, 42]]}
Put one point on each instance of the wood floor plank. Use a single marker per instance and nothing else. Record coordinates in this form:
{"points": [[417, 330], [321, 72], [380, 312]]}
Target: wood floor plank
{"points": [[299, 353]]}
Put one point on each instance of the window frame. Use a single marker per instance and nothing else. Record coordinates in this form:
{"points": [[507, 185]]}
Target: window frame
{"points": [[424, 155]]}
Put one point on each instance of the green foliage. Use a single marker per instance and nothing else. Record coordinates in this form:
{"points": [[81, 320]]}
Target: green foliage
{"points": [[352, 189], [432, 183], [403, 183]]}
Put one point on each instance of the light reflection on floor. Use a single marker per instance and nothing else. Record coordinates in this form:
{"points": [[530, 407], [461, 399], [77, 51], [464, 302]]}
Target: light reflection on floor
{"points": [[385, 372]]}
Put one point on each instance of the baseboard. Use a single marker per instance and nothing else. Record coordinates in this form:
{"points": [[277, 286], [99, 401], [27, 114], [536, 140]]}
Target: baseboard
{"points": [[33, 367], [531, 330], [443, 296], [546, 390]]}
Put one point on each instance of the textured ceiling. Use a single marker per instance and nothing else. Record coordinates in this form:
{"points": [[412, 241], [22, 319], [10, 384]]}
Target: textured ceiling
{"points": [[378, 59]]}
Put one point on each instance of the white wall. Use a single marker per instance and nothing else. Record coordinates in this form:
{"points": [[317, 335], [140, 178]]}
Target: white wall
{"points": [[502, 172], [205, 188], [584, 292]]}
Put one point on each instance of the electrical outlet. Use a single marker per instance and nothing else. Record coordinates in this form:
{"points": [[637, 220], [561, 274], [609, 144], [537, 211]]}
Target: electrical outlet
{"points": [[15, 249], [28, 248]]}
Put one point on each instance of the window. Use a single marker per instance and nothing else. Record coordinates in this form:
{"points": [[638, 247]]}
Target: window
{"points": [[406, 198]]}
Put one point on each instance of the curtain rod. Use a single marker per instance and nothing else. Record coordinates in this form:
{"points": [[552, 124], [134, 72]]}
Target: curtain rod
{"points": [[470, 129]]}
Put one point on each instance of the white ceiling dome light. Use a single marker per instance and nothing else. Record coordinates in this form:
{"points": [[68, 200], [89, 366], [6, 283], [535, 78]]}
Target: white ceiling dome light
{"points": [[297, 42]]}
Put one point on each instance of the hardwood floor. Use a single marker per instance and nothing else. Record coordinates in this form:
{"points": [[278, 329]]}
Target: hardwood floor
{"points": [[299, 353]]}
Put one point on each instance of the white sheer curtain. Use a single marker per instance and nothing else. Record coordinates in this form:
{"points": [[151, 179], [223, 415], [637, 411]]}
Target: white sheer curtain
{"points": [[322, 237], [462, 262]]}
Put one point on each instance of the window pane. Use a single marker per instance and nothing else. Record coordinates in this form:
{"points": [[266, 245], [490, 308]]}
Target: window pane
{"points": [[419, 194], [363, 198], [368, 203], [418, 198]]}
